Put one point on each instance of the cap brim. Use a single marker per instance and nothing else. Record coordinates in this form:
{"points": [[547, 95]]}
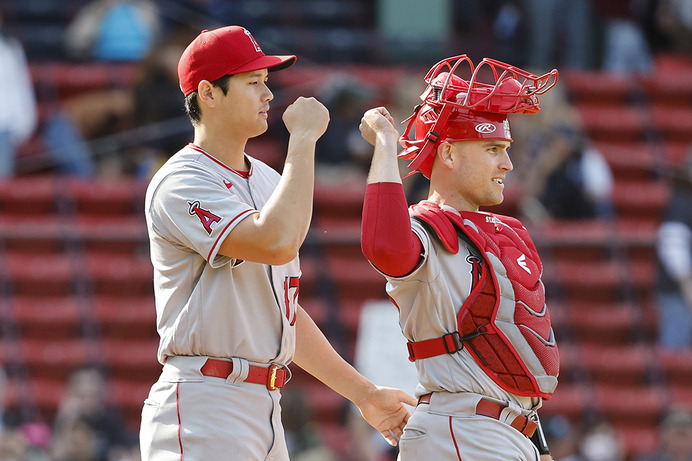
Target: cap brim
{"points": [[271, 63]]}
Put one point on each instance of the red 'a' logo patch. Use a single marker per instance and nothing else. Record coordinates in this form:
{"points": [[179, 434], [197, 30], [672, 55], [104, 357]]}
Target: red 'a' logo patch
{"points": [[206, 217]]}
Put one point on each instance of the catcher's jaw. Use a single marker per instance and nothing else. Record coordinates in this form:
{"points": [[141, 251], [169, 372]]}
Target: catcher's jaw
{"points": [[460, 109]]}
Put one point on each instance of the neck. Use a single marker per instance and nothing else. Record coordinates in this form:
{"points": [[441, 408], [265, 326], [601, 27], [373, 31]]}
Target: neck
{"points": [[229, 151], [455, 201]]}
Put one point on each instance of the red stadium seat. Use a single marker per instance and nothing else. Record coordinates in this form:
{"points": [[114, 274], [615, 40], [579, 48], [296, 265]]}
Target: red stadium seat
{"points": [[40, 274], [618, 365], [119, 275], [125, 317], [110, 197], [631, 406], [54, 318], [603, 323]]}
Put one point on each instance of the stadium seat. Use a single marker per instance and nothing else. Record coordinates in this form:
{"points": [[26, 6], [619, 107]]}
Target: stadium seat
{"points": [[573, 401], [640, 200], [54, 360], [40, 274], [30, 195], [55, 318], [630, 405], [131, 359], [128, 396], [624, 364], [675, 366], [631, 160], [120, 196], [123, 235], [594, 87], [673, 123], [585, 281], [638, 441], [622, 123], [38, 234], [125, 317], [119, 275], [603, 323]]}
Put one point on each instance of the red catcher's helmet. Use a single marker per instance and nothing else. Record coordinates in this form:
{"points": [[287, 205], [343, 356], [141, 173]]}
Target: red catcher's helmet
{"points": [[457, 109]]}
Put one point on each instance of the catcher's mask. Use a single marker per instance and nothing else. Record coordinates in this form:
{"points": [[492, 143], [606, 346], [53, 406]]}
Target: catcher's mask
{"points": [[457, 109]]}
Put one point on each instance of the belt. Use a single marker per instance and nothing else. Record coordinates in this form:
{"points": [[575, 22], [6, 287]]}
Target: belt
{"points": [[274, 377], [493, 409]]}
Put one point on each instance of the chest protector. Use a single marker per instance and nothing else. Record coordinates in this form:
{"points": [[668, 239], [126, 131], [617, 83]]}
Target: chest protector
{"points": [[504, 322]]}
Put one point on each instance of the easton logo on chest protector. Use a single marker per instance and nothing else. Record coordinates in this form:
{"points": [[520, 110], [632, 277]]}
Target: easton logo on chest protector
{"points": [[504, 323], [206, 217]]}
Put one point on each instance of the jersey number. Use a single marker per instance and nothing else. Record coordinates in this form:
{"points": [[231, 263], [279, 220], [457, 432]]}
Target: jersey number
{"points": [[291, 288]]}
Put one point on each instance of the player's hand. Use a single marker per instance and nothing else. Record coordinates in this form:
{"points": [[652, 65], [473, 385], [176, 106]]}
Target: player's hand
{"points": [[546, 458], [384, 410], [377, 120], [306, 117]]}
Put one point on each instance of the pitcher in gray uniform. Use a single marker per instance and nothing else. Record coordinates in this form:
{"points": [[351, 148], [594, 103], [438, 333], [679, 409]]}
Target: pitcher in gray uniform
{"points": [[224, 232], [467, 283]]}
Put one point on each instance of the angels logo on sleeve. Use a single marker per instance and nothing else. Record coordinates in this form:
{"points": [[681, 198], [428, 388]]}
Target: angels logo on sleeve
{"points": [[206, 217]]}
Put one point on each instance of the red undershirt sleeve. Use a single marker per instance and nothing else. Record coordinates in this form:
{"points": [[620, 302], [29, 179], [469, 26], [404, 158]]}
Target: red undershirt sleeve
{"points": [[387, 240]]}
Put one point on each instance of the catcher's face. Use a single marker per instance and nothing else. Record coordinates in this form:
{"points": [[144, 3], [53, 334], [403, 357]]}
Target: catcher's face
{"points": [[480, 169]]}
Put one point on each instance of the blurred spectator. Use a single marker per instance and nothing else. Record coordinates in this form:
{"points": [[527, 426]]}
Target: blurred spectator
{"points": [[569, 180], [302, 434], [601, 443], [18, 113], [675, 437], [159, 105], [562, 438], [67, 131], [86, 427], [152, 108], [625, 45], [557, 173], [673, 20], [20, 442], [560, 31], [342, 149], [113, 30], [674, 250], [380, 355]]}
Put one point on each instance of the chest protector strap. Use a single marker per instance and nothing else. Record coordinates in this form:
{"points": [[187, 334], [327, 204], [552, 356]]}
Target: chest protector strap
{"points": [[504, 322]]}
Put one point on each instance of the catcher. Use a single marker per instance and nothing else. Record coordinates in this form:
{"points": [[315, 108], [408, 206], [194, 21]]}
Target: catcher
{"points": [[467, 283]]}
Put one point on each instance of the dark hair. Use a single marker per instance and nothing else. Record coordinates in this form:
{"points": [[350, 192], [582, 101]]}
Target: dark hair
{"points": [[191, 104]]}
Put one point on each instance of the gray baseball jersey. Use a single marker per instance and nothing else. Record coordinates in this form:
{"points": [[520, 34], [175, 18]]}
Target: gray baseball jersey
{"points": [[211, 305], [429, 299]]}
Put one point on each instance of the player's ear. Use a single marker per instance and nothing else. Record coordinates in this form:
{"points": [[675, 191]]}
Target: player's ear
{"points": [[445, 154], [205, 93]]}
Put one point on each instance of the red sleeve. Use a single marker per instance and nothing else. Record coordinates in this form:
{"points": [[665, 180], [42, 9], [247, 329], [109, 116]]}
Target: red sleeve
{"points": [[387, 240]]}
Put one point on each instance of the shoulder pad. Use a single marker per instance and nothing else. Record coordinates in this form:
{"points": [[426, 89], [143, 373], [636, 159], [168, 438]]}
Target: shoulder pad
{"points": [[435, 217]]}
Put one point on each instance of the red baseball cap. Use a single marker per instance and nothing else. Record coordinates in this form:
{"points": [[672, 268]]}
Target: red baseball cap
{"points": [[224, 51]]}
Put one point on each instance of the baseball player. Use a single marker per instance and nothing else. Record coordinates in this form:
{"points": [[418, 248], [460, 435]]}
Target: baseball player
{"points": [[224, 232], [466, 283]]}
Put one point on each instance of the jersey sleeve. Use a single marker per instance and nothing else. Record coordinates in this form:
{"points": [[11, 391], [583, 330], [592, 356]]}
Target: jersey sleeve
{"points": [[387, 240], [194, 210]]}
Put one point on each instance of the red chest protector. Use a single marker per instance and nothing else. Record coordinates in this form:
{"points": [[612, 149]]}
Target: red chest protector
{"points": [[504, 322]]}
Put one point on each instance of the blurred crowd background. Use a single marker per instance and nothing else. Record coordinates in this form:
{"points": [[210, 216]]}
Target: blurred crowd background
{"points": [[602, 178]]}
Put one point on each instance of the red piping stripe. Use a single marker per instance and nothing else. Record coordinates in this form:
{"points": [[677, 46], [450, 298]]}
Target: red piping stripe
{"points": [[251, 210], [244, 174], [451, 431], [177, 409]]}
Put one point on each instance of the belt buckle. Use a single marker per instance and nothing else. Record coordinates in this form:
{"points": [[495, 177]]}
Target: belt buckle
{"points": [[271, 377]]}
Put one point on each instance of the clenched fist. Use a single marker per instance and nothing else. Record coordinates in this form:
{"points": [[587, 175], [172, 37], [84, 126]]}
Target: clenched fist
{"points": [[306, 117]]}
